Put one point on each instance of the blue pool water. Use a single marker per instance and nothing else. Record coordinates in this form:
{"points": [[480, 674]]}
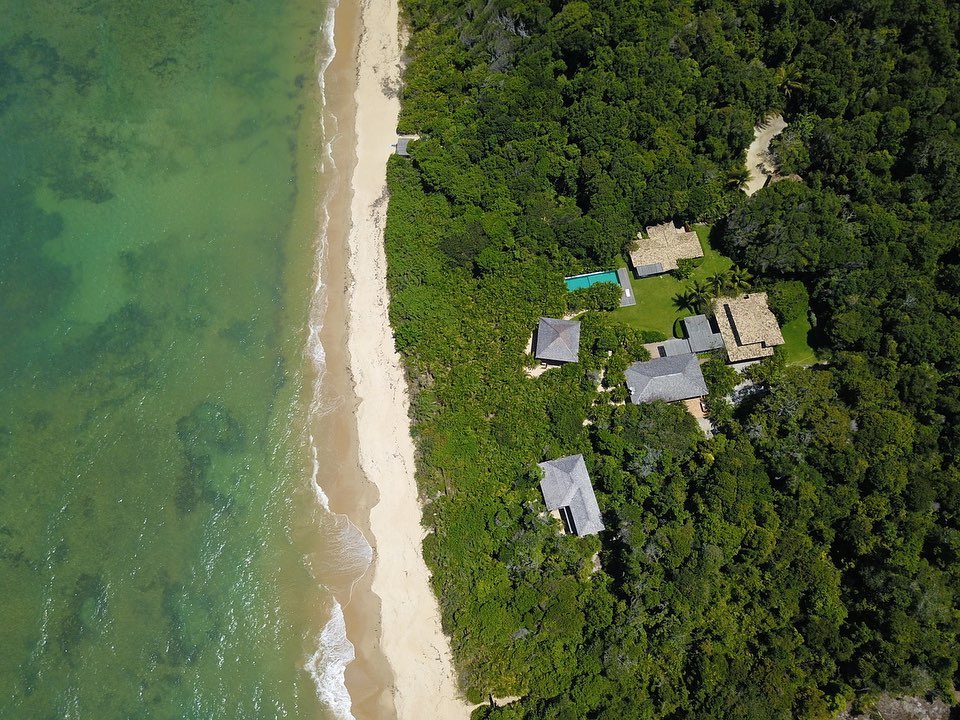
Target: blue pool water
{"points": [[581, 281]]}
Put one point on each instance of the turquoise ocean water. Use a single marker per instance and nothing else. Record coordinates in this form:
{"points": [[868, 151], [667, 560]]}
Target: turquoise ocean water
{"points": [[157, 256]]}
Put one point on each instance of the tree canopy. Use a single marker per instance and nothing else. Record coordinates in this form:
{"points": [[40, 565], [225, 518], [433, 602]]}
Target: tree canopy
{"points": [[806, 555]]}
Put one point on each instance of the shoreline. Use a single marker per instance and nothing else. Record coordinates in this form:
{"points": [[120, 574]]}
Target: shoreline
{"points": [[367, 678], [411, 637]]}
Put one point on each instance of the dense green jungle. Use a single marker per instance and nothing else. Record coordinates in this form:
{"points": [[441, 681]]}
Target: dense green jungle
{"points": [[805, 558]]}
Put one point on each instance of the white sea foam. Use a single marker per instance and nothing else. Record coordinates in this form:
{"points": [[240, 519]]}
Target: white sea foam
{"points": [[329, 46], [343, 559], [328, 167], [328, 665], [317, 490], [330, 126], [346, 553]]}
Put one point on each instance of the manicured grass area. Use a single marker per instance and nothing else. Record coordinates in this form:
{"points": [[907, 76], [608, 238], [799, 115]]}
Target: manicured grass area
{"points": [[655, 309], [797, 347]]}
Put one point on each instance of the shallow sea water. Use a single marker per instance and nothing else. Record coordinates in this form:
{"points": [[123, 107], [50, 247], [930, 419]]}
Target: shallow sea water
{"points": [[155, 512]]}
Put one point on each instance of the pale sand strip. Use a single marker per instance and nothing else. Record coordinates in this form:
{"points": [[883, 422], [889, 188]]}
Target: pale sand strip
{"points": [[412, 638], [758, 162]]}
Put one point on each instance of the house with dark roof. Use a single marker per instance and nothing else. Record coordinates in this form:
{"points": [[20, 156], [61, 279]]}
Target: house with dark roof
{"points": [[557, 341], [671, 348], [566, 488], [666, 378], [403, 141], [701, 335]]}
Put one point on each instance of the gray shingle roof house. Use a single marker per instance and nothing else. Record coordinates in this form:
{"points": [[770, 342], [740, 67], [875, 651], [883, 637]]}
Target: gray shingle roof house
{"points": [[701, 335], [557, 341], [566, 487], [667, 378], [674, 346]]}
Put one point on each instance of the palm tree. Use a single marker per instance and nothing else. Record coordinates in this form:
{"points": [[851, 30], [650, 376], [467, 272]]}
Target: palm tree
{"points": [[700, 294], [684, 301], [718, 282], [740, 278], [737, 177], [788, 79]]}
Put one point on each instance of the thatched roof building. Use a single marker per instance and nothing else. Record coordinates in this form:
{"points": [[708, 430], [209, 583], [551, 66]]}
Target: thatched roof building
{"points": [[664, 245], [748, 327]]}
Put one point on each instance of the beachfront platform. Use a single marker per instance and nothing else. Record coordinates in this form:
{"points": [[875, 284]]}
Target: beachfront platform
{"points": [[403, 143]]}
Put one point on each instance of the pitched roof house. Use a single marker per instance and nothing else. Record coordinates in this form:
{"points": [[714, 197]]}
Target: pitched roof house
{"points": [[672, 347], [671, 378], [566, 487], [701, 336], [557, 341], [664, 245], [748, 327]]}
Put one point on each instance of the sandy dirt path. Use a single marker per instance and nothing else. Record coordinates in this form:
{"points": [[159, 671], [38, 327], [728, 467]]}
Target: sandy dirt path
{"points": [[758, 161]]}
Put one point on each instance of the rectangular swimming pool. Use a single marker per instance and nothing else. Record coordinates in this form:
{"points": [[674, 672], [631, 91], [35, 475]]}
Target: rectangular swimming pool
{"points": [[581, 281]]}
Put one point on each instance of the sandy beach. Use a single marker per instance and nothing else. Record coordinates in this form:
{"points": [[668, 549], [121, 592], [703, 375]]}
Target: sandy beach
{"points": [[411, 638]]}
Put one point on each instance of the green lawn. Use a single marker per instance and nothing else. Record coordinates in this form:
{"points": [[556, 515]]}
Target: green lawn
{"points": [[797, 346], [655, 309]]}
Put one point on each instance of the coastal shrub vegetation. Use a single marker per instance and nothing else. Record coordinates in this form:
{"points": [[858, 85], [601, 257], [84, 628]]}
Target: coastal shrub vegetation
{"points": [[807, 555], [601, 296]]}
